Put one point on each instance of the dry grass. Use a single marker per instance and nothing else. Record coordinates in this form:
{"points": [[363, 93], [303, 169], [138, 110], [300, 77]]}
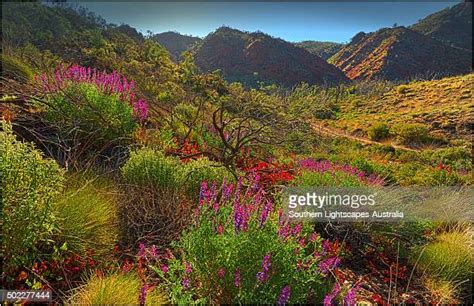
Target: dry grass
{"points": [[114, 289], [441, 291]]}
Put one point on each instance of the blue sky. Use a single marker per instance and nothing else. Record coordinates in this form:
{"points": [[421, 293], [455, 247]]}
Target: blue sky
{"points": [[292, 21]]}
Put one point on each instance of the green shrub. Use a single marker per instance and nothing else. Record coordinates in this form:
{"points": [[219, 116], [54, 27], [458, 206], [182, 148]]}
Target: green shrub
{"points": [[450, 257], [151, 168], [91, 115], [29, 184], [456, 157], [199, 170], [411, 133], [15, 69], [241, 254], [115, 289], [88, 217], [438, 177], [335, 178], [378, 131]]}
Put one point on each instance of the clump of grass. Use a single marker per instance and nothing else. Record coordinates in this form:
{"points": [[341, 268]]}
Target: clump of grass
{"points": [[88, 216], [115, 289], [14, 68], [442, 291], [449, 257]]}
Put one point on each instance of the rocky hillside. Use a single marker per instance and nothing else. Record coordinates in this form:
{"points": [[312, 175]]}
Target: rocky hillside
{"points": [[452, 26], [399, 54], [323, 49], [253, 57], [175, 43]]}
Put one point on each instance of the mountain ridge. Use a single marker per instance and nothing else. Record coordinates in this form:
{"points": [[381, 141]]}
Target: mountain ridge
{"points": [[175, 42], [452, 26], [254, 57], [399, 54]]}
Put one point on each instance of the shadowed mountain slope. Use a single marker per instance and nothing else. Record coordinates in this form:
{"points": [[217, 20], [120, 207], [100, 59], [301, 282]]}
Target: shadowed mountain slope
{"points": [[399, 54], [253, 57]]}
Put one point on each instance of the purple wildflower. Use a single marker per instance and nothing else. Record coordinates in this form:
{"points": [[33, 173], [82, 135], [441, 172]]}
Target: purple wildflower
{"points": [[140, 109], [164, 268], [265, 212], [143, 293], [296, 230], [141, 250], [329, 264], [237, 279], [188, 268], [350, 298], [109, 83], [153, 251], [186, 282], [262, 275], [284, 295], [329, 298]]}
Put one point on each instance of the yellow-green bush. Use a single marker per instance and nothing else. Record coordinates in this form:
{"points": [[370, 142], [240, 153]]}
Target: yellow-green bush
{"points": [[197, 171], [378, 131], [151, 168], [29, 184], [115, 289], [411, 133]]}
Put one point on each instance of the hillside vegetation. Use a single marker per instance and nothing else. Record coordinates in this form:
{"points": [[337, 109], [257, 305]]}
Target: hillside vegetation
{"points": [[445, 106], [130, 177], [323, 49], [453, 26], [175, 43]]}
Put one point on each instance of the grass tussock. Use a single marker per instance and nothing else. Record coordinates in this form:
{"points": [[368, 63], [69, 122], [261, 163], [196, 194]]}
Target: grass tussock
{"points": [[450, 257], [88, 215], [115, 289]]}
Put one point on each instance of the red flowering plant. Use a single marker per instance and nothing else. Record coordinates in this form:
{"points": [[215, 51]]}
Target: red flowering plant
{"points": [[271, 173], [59, 270], [242, 250]]}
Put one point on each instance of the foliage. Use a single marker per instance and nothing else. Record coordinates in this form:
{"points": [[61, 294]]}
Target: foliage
{"points": [[28, 186], [411, 133], [449, 257], [458, 158], [151, 168], [323, 49], [241, 251], [83, 108], [325, 173], [87, 216], [116, 288], [15, 69], [378, 131], [202, 170]]}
